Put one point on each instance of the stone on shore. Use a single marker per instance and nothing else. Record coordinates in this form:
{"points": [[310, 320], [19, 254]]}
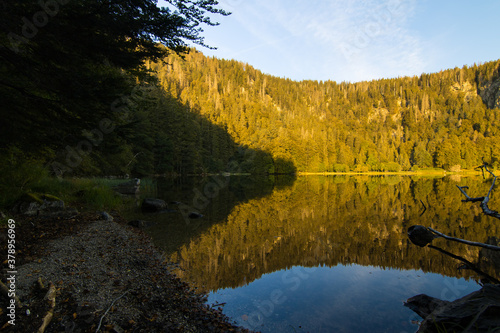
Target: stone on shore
{"points": [[42, 205]]}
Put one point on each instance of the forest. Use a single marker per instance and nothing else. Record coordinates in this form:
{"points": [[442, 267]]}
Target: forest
{"points": [[198, 114], [88, 98], [447, 120]]}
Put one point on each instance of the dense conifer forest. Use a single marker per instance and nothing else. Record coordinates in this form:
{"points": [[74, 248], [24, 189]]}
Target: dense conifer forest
{"points": [[199, 114], [446, 120], [92, 104]]}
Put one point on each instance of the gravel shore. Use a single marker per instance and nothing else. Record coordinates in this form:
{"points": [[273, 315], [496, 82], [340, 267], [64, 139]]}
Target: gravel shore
{"points": [[108, 277]]}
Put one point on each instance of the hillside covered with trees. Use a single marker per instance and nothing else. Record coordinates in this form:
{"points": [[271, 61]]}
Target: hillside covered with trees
{"points": [[103, 96], [444, 120]]}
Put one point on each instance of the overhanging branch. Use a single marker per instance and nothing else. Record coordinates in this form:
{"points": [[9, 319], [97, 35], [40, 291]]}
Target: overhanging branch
{"points": [[484, 200]]}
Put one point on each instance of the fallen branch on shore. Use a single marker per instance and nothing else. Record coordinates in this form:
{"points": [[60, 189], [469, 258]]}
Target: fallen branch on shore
{"points": [[109, 308], [421, 236], [51, 298]]}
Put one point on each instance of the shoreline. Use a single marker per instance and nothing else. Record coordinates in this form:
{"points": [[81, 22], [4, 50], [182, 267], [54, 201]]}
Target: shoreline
{"points": [[107, 275]]}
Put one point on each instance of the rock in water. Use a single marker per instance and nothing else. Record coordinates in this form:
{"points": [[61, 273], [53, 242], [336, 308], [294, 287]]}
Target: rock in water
{"points": [[424, 305], [150, 205], [194, 215], [141, 223]]}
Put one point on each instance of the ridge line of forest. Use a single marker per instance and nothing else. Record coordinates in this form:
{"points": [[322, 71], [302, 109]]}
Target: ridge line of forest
{"points": [[447, 120], [198, 115]]}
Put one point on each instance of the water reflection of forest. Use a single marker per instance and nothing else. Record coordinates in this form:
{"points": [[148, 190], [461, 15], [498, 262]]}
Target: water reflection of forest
{"points": [[341, 220]]}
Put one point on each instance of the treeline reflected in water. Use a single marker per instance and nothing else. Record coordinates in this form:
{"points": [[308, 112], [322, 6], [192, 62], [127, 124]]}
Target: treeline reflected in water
{"points": [[341, 220]]}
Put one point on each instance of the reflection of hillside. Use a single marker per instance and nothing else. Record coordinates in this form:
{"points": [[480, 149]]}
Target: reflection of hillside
{"points": [[174, 229], [337, 220]]}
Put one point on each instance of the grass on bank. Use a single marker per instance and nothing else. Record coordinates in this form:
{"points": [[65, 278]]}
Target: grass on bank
{"points": [[87, 194], [32, 181], [21, 174]]}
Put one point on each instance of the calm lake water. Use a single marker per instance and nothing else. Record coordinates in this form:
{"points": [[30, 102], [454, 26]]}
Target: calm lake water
{"points": [[322, 253]]}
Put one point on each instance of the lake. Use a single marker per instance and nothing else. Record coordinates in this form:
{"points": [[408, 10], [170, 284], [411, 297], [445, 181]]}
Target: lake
{"points": [[322, 253]]}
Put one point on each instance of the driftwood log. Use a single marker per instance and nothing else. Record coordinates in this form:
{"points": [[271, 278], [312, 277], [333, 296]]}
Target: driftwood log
{"points": [[477, 312]]}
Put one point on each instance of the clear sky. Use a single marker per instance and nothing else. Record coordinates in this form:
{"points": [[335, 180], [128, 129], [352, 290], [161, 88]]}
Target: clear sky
{"points": [[355, 40]]}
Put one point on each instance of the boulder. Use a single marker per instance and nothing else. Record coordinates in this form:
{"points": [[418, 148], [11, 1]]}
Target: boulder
{"points": [[150, 205], [424, 305], [36, 204]]}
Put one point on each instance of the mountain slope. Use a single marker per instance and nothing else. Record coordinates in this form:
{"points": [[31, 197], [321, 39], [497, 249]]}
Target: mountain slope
{"points": [[435, 120]]}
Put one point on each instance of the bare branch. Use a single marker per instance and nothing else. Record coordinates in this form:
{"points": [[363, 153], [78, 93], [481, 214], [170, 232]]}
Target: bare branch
{"points": [[467, 197], [105, 313], [486, 246], [484, 200]]}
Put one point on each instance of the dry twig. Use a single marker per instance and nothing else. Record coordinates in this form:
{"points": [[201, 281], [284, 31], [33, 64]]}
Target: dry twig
{"points": [[51, 298], [105, 313]]}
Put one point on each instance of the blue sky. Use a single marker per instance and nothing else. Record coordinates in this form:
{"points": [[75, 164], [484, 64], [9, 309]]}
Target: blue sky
{"points": [[355, 40]]}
